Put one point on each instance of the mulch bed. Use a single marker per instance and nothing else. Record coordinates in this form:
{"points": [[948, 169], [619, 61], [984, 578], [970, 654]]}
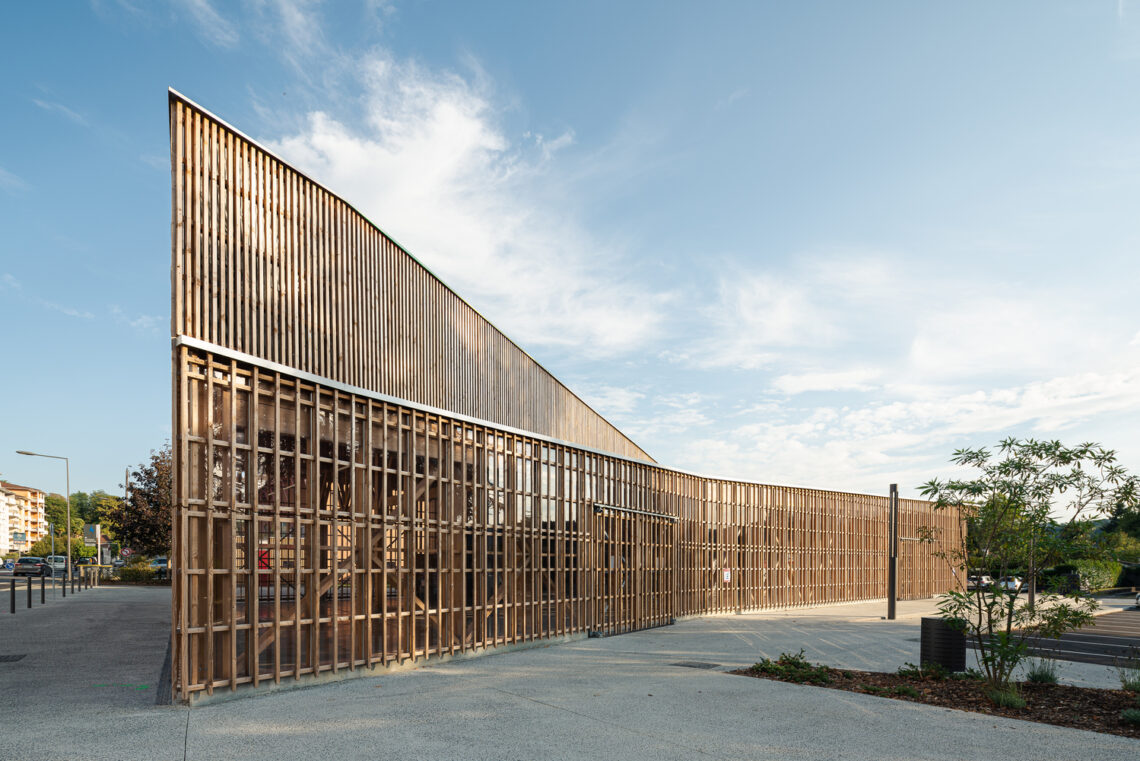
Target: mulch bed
{"points": [[1064, 705]]}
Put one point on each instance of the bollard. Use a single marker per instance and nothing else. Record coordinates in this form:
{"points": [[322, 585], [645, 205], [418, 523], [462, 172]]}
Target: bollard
{"points": [[29, 591], [64, 584], [43, 587], [13, 594]]}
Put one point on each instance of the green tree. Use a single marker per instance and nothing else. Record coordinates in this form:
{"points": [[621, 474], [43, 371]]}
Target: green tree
{"points": [[143, 522], [1027, 507], [43, 548], [102, 505], [55, 510]]}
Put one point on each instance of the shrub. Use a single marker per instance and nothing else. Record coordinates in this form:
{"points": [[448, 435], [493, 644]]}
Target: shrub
{"points": [[793, 668], [1006, 698], [136, 575], [1131, 716], [1042, 671], [1128, 669]]}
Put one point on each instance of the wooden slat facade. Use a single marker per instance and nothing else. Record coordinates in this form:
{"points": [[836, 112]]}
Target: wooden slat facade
{"points": [[368, 473]]}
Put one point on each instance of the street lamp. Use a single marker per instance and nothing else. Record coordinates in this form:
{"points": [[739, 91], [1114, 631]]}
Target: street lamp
{"points": [[67, 472]]}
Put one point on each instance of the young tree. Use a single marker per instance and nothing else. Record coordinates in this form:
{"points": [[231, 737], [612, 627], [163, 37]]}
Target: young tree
{"points": [[143, 522], [1026, 508]]}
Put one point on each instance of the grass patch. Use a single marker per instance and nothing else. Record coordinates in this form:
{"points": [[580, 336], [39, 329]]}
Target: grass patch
{"points": [[907, 690], [1008, 698]]}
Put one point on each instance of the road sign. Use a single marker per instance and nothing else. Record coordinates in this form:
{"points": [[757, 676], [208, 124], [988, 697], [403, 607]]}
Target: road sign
{"points": [[126, 552], [727, 576]]}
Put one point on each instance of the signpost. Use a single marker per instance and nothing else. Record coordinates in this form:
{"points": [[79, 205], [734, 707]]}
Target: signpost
{"points": [[126, 552]]}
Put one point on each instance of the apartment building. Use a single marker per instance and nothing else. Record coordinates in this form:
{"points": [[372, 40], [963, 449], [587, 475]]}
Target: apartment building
{"points": [[23, 508]]}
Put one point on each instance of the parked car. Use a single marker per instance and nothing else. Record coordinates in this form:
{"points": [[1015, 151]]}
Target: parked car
{"points": [[31, 566], [160, 567], [1011, 584], [57, 564], [979, 582], [118, 562]]}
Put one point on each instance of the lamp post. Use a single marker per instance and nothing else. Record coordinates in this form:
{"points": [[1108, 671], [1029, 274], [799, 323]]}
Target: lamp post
{"points": [[67, 473]]}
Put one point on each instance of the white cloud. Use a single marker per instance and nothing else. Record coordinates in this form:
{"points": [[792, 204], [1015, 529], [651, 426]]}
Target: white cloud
{"points": [[755, 316], [430, 165], [858, 379], [612, 401], [905, 441], [212, 26], [11, 182], [155, 162], [143, 322], [61, 109]]}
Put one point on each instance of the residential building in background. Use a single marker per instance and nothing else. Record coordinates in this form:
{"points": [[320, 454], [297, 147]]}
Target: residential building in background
{"points": [[26, 520]]}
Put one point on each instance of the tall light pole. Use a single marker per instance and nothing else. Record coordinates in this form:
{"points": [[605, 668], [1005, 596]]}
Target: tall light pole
{"points": [[67, 472]]}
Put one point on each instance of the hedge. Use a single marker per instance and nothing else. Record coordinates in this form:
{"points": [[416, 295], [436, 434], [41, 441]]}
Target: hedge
{"points": [[1094, 574]]}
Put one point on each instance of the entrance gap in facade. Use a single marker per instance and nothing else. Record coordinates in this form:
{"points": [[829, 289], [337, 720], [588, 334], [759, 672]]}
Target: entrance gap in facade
{"points": [[638, 558]]}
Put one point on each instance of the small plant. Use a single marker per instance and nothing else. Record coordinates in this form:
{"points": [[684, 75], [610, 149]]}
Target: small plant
{"points": [[1128, 669], [1042, 671], [969, 675], [872, 689], [848, 675], [930, 670], [793, 668], [905, 689], [1131, 716], [910, 671], [1008, 698]]}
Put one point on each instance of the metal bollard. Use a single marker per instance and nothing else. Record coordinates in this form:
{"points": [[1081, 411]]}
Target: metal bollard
{"points": [[64, 584], [13, 594], [29, 591], [43, 587]]}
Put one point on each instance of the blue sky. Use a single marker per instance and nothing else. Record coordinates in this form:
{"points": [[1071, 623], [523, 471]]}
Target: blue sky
{"points": [[813, 243]]}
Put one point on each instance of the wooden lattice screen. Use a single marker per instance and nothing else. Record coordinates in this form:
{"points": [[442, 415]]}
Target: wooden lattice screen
{"points": [[368, 473]]}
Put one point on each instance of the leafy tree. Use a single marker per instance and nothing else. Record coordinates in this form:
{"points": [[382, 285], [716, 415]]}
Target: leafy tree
{"points": [[102, 505], [55, 511], [143, 522], [43, 548], [1027, 507]]}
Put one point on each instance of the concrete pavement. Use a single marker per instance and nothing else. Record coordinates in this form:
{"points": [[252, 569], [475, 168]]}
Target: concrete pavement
{"points": [[616, 698]]}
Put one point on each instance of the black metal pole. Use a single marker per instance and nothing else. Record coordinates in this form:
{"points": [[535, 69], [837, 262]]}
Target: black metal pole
{"points": [[893, 552], [64, 584], [29, 591], [13, 594], [43, 590]]}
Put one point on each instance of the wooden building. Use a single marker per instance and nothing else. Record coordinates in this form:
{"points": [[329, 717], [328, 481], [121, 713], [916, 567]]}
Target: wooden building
{"points": [[367, 472]]}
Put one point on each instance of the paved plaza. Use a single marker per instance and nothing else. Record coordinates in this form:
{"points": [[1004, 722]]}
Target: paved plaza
{"points": [[86, 689]]}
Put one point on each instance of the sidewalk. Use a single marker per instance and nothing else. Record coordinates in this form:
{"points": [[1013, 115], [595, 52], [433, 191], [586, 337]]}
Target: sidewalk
{"points": [[616, 698]]}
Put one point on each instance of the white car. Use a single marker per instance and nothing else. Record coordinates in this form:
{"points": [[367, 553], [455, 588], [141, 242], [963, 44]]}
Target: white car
{"points": [[1011, 584]]}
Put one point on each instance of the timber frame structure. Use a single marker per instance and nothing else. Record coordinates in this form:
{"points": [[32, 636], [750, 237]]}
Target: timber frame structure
{"points": [[368, 473]]}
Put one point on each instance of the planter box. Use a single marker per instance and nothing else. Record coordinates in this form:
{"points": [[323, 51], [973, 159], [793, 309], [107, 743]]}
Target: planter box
{"points": [[942, 644]]}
